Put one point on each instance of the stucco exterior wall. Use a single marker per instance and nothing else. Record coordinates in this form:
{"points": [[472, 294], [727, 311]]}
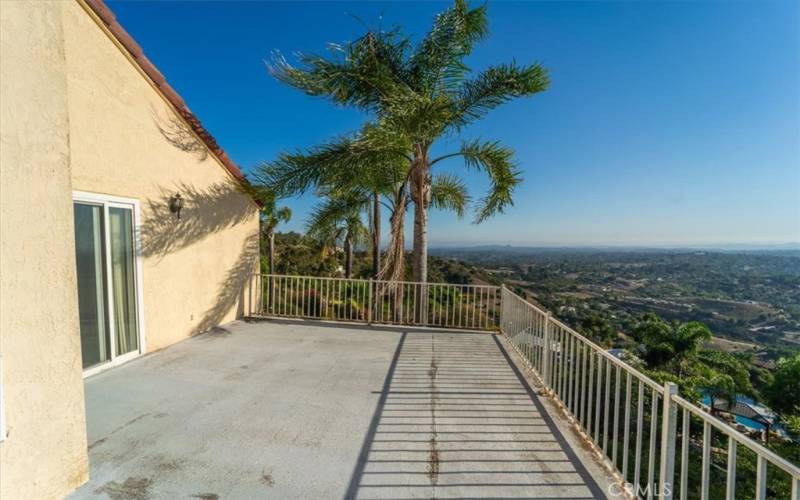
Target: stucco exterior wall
{"points": [[76, 114], [44, 452], [126, 140]]}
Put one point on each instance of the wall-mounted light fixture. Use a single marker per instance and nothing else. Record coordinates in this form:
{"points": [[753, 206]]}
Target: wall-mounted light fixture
{"points": [[176, 204]]}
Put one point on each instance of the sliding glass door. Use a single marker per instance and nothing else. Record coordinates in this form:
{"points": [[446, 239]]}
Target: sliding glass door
{"points": [[107, 271], [123, 279], [92, 303]]}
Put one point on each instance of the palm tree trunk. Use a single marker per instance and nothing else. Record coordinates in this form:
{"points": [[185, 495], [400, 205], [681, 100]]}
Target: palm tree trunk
{"points": [[420, 192], [271, 255], [271, 258], [421, 262], [348, 257], [394, 259], [376, 235], [420, 243]]}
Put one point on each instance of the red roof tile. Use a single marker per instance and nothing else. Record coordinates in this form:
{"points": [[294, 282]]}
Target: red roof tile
{"points": [[127, 41]]}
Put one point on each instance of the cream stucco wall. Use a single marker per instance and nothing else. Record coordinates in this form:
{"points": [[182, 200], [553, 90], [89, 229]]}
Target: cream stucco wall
{"points": [[77, 115], [44, 453], [126, 140]]}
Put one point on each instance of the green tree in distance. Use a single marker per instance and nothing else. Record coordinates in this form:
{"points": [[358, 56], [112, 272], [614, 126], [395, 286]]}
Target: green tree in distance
{"points": [[676, 352], [416, 94], [662, 343], [784, 392]]}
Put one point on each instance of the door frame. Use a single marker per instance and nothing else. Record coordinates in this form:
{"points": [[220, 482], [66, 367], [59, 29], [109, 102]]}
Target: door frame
{"points": [[107, 201]]}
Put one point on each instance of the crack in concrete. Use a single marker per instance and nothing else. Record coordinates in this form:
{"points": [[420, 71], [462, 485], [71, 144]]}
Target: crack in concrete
{"points": [[433, 450], [126, 424]]}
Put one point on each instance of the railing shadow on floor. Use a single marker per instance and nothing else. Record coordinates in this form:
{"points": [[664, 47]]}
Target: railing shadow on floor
{"points": [[456, 418]]}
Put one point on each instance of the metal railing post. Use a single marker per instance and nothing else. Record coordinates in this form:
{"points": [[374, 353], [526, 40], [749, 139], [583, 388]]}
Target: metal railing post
{"points": [[502, 305], [669, 420], [249, 295], [370, 302], [547, 354], [423, 304], [271, 295]]}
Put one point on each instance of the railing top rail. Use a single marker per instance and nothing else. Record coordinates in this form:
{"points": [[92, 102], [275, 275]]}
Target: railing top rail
{"points": [[755, 447], [367, 280], [610, 357], [312, 277], [470, 285], [536, 308]]}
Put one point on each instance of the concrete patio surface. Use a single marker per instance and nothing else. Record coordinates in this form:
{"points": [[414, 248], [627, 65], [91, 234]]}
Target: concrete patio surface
{"points": [[282, 409]]}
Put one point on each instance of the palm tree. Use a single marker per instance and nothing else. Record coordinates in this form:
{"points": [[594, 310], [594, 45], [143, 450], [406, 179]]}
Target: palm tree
{"points": [[348, 164], [417, 94], [337, 221], [663, 343], [271, 217], [365, 167]]}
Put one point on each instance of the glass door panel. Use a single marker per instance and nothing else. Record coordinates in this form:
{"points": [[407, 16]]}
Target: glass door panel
{"points": [[107, 280], [123, 279], [90, 260]]}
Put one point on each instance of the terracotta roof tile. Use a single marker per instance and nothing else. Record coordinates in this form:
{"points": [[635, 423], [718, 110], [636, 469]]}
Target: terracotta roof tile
{"points": [[149, 68], [100, 8], [127, 41], [172, 96]]}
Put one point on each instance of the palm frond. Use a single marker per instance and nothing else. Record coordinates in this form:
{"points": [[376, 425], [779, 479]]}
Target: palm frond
{"points": [[344, 161], [336, 217], [495, 86], [437, 63], [498, 163], [448, 192], [357, 230], [324, 226], [362, 73], [283, 214]]}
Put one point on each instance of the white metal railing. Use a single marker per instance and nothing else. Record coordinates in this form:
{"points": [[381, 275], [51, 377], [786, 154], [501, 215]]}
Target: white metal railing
{"points": [[632, 421], [472, 307]]}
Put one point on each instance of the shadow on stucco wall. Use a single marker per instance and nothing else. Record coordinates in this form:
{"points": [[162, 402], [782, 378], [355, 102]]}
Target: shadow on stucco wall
{"points": [[219, 207], [206, 210], [233, 290], [176, 133]]}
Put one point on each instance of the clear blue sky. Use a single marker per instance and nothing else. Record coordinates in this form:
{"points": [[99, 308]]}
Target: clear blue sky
{"points": [[665, 124]]}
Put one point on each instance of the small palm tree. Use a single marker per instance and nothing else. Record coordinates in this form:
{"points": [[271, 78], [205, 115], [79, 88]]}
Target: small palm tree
{"points": [[663, 343], [337, 221], [417, 94], [271, 217]]}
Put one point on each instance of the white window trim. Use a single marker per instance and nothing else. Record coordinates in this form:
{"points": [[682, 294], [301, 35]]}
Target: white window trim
{"points": [[109, 200]]}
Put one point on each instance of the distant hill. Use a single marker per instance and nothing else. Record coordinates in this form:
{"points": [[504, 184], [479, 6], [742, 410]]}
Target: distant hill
{"points": [[791, 249]]}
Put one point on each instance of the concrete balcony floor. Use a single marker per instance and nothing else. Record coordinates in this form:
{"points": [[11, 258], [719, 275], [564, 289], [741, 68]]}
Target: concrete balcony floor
{"points": [[283, 409]]}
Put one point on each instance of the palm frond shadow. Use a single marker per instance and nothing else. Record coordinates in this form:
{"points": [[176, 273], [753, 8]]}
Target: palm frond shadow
{"points": [[179, 135], [220, 206], [233, 289]]}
